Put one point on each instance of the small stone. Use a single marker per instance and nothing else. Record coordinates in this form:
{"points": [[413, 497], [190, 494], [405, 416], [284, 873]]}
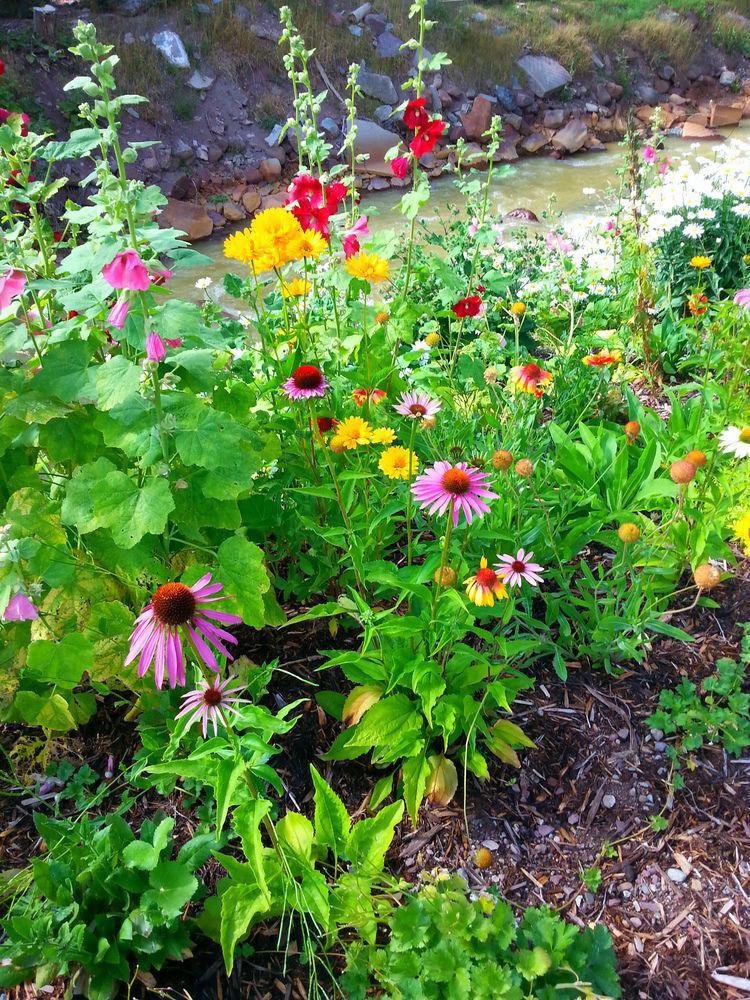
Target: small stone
{"points": [[355, 29], [272, 139], [377, 85], [382, 113], [172, 48], [609, 801], [330, 128], [270, 168], [554, 118], [656, 734], [491, 845], [728, 78], [676, 875], [251, 200], [623, 733], [232, 212], [201, 81], [388, 45], [660, 745], [573, 818]]}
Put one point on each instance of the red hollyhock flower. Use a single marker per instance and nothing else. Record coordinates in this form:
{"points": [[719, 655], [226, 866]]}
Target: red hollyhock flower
{"points": [[470, 306], [400, 166], [426, 138], [2, 67], [57, 236], [325, 423], [312, 204], [72, 314], [5, 115], [415, 114]]}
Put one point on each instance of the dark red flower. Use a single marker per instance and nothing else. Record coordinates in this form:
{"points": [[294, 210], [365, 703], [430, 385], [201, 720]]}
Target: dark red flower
{"points": [[481, 288], [57, 236], [312, 205], [72, 314], [470, 306], [400, 166], [2, 67], [425, 139], [415, 114], [6, 115], [325, 423]]}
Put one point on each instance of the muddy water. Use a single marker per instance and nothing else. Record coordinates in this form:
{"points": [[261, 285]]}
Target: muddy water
{"points": [[580, 187]]}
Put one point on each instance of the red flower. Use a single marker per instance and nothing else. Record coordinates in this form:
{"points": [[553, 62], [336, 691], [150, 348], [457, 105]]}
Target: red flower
{"points": [[312, 204], [6, 115], [361, 396], [415, 115], [325, 423], [57, 236], [470, 306], [2, 67], [426, 138], [400, 166]]}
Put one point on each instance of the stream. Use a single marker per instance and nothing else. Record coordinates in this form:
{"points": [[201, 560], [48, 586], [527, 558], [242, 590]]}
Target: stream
{"points": [[581, 187]]}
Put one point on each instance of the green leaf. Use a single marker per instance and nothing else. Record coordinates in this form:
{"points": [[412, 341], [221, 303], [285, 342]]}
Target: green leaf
{"points": [[228, 774], [65, 373], [240, 906], [50, 712], [140, 855], [61, 663], [371, 838], [296, 830], [116, 381], [415, 772], [534, 963], [172, 886], [332, 821], [244, 576]]}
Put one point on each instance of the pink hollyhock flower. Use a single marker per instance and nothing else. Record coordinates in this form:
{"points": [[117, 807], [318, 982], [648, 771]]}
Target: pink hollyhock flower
{"points": [[417, 406], [556, 242], [209, 702], [473, 228], [177, 611], [12, 283], [649, 154], [305, 382], [176, 342], [156, 349], [127, 270], [20, 609], [360, 230], [742, 298], [454, 488], [513, 570], [664, 167], [118, 313], [400, 166]]}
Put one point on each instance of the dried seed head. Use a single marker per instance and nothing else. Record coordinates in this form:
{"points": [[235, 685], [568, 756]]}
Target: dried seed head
{"points": [[445, 576], [491, 375], [524, 467], [706, 576], [502, 460], [698, 458], [629, 532], [682, 472]]}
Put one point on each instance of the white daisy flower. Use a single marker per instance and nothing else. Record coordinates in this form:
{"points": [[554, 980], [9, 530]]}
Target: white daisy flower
{"points": [[735, 441], [693, 230], [202, 283]]}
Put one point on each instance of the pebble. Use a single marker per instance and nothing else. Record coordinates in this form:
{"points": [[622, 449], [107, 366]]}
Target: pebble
{"points": [[676, 875], [660, 745], [573, 818], [623, 733], [491, 845], [609, 801]]}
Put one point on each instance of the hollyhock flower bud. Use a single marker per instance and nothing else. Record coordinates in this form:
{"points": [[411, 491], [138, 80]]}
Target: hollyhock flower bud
{"points": [[20, 609], [400, 167], [118, 313], [706, 576], [12, 283], [682, 472], [432, 339], [127, 270], [156, 349], [10, 117]]}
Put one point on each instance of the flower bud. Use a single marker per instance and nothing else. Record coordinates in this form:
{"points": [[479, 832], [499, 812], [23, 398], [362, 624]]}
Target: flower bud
{"points": [[382, 317], [518, 309], [502, 460], [491, 375], [442, 782], [698, 458], [682, 472], [632, 430], [482, 858], [432, 339], [629, 532], [524, 467], [445, 576], [706, 576]]}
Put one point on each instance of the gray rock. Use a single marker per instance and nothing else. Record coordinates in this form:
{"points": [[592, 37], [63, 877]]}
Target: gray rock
{"points": [[355, 29], [128, 38], [202, 8], [676, 875], [667, 72], [609, 801], [172, 48], [382, 113], [591, 107], [378, 85], [242, 14], [330, 128], [388, 45], [272, 139], [435, 99], [201, 81], [479, 16], [572, 137], [545, 75], [374, 140], [646, 93], [175, 184], [183, 152], [728, 78], [377, 23], [523, 99], [505, 98], [491, 845], [554, 118], [131, 7]]}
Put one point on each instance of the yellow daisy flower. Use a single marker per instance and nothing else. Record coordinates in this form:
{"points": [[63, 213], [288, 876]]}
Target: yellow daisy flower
{"points": [[369, 267], [277, 237], [485, 586], [742, 531], [295, 288], [241, 246], [312, 244], [352, 432], [383, 435], [394, 462], [700, 262]]}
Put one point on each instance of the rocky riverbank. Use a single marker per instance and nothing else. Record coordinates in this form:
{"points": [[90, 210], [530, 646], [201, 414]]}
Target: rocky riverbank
{"points": [[223, 163]]}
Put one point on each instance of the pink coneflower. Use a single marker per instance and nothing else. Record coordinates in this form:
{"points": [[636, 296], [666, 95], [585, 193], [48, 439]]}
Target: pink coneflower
{"points": [[742, 298], [456, 487], [175, 609], [417, 406], [210, 702], [305, 382], [20, 609], [513, 570]]}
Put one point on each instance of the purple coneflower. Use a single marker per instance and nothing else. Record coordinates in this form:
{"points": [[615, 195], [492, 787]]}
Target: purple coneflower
{"points": [[456, 487], [417, 406], [173, 608], [513, 570], [305, 382], [210, 702]]}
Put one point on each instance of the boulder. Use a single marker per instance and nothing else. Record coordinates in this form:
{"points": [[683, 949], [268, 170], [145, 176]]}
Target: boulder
{"points": [[330, 128], [388, 45], [520, 215], [506, 151], [175, 184], [172, 48], [523, 99], [571, 138], [723, 114], [615, 90], [382, 113], [232, 212], [192, 220], [276, 200], [545, 75], [693, 131], [728, 78], [477, 121], [554, 118], [270, 168], [646, 93], [373, 140], [251, 200], [534, 142], [377, 85], [506, 99]]}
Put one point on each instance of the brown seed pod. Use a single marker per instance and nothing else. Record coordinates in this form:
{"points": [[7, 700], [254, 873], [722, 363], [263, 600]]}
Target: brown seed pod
{"points": [[445, 576], [682, 472], [706, 576], [524, 467], [629, 532], [502, 460], [428, 423], [491, 375], [698, 458]]}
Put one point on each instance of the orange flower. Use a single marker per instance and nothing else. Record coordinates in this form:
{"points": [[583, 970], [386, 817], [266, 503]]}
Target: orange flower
{"points": [[603, 358], [360, 396], [530, 378]]}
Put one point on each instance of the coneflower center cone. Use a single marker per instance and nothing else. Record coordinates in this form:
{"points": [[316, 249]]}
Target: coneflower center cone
{"points": [[745, 435], [517, 566], [212, 696], [417, 409], [307, 377], [455, 481], [174, 604]]}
